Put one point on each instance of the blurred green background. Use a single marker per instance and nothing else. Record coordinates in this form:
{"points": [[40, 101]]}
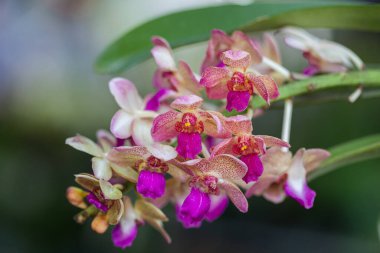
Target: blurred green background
{"points": [[49, 91]]}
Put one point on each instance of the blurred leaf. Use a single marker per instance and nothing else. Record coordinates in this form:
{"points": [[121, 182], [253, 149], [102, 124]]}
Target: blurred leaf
{"points": [[348, 153], [369, 78], [192, 26]]}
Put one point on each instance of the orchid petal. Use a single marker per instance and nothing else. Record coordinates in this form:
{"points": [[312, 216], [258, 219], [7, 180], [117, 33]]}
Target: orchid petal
{"points": [[149, 211], [214, 76], [115, 212], [153, 103], [99, 224], [101, 168], [243, 42], [121, 124], [219, 203], [110, 191], [314, 157], [271, 141], [124, 233], [84, 144], [214, 124], [87, 181], [151, 184], [270, 48], [125, 172], [226, 167], [188, 79], [164, 126], [126, 94], [76, 197], [236, 59], [239, 124], [238, 100], [162, 54], [255, 167], [195, 207], [296, 185], [225, 147], [189, 102], [106, 140], [235, 195]]}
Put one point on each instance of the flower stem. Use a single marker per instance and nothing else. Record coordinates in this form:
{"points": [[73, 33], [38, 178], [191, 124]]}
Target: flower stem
{"points": [[286, 122], [277, 67]]}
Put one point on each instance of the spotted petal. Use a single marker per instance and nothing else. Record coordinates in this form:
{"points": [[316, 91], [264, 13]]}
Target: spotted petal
{"points": [[236, 59], [239, 124], [235, 195], [187, 103], [164, 126]]}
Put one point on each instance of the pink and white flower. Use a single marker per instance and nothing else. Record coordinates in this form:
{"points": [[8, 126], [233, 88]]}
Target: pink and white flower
{"points": [[284, 175], [151, 168], [221, 42], [210, 180], [125, 232], [323, 56], [236, 82], [101, 166], [246, 146], [170, 79], [188, 123]]}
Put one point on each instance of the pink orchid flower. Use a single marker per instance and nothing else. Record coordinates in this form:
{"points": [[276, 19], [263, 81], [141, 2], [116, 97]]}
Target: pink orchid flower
{"points": [[246, 146], [221, 42], [284, 175], [125, 232], [101, 166], [236, 83], [188, 123], [129, 119], [151, 168], [171, 81], [323, 56], [211, 180]]}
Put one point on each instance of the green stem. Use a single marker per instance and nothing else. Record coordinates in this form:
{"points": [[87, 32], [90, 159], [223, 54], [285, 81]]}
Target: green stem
{"points": [[86, 213]]}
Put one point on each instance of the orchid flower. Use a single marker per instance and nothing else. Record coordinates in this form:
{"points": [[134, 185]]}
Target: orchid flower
{"points": [[235, 82], [125, 232], [268, 48], [128, 120], [246, 146], [171, 81], [101, 166], [211, 180], [284, 175], [188, 123], [323, 56], [151, 168], [221, 42], [101, 195]]}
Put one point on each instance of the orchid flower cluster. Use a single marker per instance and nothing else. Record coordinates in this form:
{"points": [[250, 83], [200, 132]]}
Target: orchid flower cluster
{"points": [[176, 147]]}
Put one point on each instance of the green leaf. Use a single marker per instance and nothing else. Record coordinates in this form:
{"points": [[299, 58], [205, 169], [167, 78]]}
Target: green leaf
{"points": [[192, 26], [369, 78], [348, 153]]}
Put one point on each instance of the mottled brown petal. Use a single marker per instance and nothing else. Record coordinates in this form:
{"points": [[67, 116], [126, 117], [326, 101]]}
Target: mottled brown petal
{"points": [[236, 59], [149, 211], [115, 212], [87, 181]]}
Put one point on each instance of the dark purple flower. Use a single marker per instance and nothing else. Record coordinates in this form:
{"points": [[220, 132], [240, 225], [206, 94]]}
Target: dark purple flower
{"points": [[92, 199], [151, 184], [189, 144], [237, 100], [194, 208], [219, 203], [255, 167], [124, 233]]}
